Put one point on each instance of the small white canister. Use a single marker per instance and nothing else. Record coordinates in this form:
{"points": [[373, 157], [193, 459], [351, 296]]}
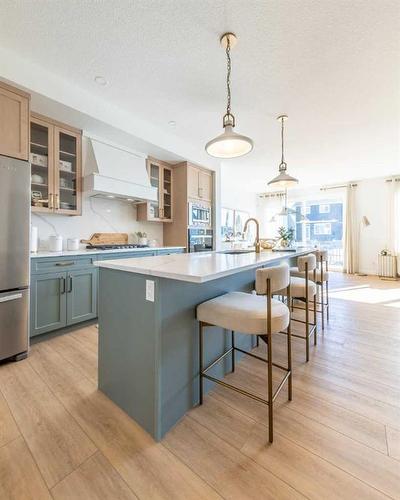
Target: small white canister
{"points": [[55, 243], [73, 244]]}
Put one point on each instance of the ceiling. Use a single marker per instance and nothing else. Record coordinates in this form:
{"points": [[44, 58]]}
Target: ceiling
{"points": [[331, 65]]}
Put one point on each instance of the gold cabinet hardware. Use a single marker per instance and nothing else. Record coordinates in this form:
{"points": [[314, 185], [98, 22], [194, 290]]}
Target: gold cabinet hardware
{"points": [[57, 202], [67, 263]]}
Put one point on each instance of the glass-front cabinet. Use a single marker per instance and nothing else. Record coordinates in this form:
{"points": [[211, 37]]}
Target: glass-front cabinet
{"points": [[161, 178], [55, 156]]}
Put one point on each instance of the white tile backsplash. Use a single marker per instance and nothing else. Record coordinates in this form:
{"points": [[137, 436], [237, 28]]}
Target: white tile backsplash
{"points": [[98, 215]]}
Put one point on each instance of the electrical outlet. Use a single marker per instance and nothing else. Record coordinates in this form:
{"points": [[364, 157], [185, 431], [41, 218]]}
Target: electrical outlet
{"points": [[150, 290]]}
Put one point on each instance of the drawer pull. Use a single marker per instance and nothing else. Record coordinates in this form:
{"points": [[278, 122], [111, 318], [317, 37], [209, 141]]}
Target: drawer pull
{"points": [[62, 285], [14, 296], [62, 264]]}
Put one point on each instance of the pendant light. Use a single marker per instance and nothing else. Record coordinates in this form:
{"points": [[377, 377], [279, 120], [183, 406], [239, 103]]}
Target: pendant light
{"points": [[229, 144], [283, 179]]}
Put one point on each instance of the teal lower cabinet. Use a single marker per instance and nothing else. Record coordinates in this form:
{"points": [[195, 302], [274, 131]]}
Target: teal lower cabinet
{"points": [[48, 302], [81, 295], [64, 289]]}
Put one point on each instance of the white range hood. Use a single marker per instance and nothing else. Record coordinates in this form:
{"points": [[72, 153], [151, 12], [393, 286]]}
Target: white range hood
{"points": [[112, 172]]}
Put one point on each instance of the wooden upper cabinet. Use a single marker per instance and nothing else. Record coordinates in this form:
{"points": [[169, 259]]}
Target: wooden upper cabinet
{"points": [[205, 185], [192, 181], [161, 210], [56, 164], [14, 122], [200, 185]]}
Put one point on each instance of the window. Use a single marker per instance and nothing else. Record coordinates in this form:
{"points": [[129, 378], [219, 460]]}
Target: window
{"points": [[308, 232], [324, 209], [324, 228], [305, 210]]}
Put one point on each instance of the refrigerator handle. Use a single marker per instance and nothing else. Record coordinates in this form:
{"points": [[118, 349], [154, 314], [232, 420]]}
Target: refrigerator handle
{"points": [[62, 285], [14, 296]]}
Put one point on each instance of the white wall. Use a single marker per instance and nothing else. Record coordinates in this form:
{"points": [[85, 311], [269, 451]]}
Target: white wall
{"points": [[234, 192], [372, 201]]}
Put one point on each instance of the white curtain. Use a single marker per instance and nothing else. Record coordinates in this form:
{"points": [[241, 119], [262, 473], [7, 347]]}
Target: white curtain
{"points": [[394, 218], [268, 206], [351, 235]]}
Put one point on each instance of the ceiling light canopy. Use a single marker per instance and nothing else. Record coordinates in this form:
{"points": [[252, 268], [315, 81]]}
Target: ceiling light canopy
{"points": [[283, 179], [229, 144]]}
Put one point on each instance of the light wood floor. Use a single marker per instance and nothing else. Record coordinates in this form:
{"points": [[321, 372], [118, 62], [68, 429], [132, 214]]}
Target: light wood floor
{"points": [[339, 438]]}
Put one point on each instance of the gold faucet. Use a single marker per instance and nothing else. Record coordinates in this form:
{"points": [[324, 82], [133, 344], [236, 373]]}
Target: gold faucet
{"points": [[257, 242]]}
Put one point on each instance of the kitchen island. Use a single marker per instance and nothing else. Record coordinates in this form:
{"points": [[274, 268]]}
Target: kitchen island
{"points": [[148, 333]]}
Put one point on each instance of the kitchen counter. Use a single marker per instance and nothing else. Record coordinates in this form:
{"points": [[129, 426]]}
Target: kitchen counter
{"points": [[199, 267], [148, 333], [86, 251]]}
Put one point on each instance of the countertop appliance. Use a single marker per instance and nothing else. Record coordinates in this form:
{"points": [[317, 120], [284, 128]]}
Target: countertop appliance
{"points": [[199, 215], [15, 177], [200, 239]]}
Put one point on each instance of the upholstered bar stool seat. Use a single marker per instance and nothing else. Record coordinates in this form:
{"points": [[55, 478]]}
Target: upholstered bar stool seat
{"points": [[294, 271], [298, 288], [253, 315], [242, 312]]}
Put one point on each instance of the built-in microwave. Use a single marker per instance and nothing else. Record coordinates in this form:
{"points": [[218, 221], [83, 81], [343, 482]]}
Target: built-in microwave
{"points": [[199, 215]]}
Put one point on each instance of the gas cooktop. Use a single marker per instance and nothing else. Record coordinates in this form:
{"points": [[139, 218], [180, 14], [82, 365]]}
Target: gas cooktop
{"points": [[114, 247]]}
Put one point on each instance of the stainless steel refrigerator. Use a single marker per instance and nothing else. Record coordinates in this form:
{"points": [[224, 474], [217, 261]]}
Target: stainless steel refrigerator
{"points": [[14, 257]]}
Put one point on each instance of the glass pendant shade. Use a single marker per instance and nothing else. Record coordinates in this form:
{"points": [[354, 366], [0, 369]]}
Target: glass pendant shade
{"points": [[229, 144]]}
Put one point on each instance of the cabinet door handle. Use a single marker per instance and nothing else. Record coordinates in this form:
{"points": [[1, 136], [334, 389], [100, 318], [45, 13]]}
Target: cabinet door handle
{"points": [[57, 202], [50, 202], [62, 285], [70, 285], [67, 263]]}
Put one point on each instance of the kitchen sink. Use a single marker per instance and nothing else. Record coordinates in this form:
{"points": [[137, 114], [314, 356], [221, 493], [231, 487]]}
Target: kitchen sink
{"points": [[237, 251]]}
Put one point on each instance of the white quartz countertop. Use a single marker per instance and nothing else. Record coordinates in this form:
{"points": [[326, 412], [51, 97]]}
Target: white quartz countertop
{"points": [[199, 267], [85, 251]]}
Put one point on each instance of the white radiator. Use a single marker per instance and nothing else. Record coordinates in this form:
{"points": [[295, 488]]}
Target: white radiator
{"points": [[387, 266]]}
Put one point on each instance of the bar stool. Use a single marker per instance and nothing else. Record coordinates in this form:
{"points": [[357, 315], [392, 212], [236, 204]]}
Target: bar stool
{"points": [[322, 277], [303, 288], [253, 315]]}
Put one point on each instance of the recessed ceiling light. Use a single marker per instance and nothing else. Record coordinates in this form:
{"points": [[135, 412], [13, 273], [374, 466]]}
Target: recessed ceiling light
{"points": [[172, 123], [100, 80]]}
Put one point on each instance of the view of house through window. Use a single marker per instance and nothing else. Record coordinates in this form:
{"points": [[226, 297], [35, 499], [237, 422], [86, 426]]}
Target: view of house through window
{"points": [[316, 216], [320, 222]]}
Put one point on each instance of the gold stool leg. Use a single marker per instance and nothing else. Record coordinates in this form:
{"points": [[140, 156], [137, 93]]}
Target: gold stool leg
{"points": [[289, 348], [327, 300], [315, 319], [307, 318], [200, 362], [322, 306], [233, 352], [269, 354]]}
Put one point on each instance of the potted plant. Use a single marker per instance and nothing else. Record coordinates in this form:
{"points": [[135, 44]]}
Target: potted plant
{"points": [[286, 236], [142, 238]]}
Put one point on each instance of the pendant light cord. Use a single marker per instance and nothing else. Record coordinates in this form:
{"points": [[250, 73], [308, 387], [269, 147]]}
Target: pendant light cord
{"points": [[228, 75], [282, 143]]}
